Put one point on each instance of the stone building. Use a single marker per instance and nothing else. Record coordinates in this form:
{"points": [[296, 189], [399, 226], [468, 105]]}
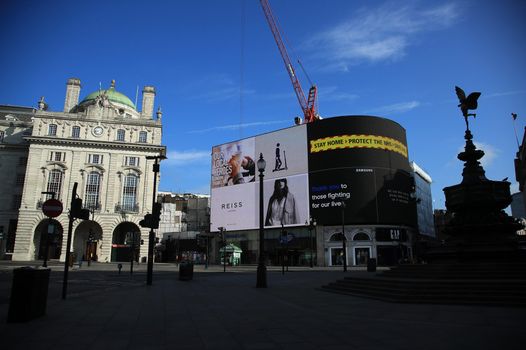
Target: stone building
{"points": [[184, 217], [15, 124], [100, 143]]}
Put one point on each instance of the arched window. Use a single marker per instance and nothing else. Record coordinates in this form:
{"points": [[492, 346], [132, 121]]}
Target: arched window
{"points": [[54, 183], [120, 135], [75, 132], [129, 193], [360, 236], [92, 190], [52, 130], [142, 136], [336, 237]]}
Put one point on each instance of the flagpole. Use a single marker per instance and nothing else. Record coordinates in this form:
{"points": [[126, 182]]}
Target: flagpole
{"points": [[514, 117]]}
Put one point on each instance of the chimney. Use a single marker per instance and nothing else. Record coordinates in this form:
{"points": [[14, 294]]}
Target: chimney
{"points": [[72, 94], [148, 97]]}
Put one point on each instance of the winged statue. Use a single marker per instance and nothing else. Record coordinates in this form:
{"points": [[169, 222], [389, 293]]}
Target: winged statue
{"points": [[467, 103]]}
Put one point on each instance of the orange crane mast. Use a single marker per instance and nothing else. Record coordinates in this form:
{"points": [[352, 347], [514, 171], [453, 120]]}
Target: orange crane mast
{"points": [[308, 106]]}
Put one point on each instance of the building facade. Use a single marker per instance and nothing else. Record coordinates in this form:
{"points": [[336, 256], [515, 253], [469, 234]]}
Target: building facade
{"points": [[349, 174], [99, 143], [424, 202], [517, 205], [185, 217], [16, 123]]}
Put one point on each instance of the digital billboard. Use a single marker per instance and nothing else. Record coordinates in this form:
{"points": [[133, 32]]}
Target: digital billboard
{"points": [[234, 192], [286, 201], [361, 161], [352, 168]]}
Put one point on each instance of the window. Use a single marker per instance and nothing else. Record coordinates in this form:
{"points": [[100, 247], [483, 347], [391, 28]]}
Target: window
{"points": [[360, 236], [120, 135], [57, 156], [2, 134], [131, 161], [52, 130], [20, 180], [129, 192], [143, 136], [17, 201], [54, 183], [92, 190], [75, 132], [95, 158], [337, 237]]}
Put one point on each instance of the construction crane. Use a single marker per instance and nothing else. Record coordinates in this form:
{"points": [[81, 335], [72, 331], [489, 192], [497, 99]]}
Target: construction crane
{"points": [[307, 105]]}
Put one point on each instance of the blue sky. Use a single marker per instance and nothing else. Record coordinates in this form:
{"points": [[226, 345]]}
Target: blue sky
{"points": [[219, 76]]}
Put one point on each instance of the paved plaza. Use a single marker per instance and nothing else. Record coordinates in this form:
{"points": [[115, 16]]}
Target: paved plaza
{"points": [[216, 310]]}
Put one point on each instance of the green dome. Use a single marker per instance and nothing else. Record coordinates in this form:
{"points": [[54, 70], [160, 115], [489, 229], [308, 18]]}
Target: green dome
{"points": [[113, 95]]}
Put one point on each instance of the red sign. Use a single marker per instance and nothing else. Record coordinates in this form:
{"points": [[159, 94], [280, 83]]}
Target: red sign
{"points": [[52, 208]]}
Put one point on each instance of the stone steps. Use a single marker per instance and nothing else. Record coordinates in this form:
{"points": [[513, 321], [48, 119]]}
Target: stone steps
{"points": [[448, 284]]}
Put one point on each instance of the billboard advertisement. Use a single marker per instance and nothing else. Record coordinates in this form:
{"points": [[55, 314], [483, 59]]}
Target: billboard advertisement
{"points": [[358, 165], [352, 168], [233, 163], [235, 192], [284, 152], [286, 201]]}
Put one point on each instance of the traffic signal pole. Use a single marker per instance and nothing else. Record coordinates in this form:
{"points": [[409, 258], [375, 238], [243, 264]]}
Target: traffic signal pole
{"points": [[75, 212], [151, 238], [68, 244]]}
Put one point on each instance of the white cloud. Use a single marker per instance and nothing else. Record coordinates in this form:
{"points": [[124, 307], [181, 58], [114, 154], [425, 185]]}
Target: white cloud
{"points": [[490, 154], [216, 88], [383, 33], [401, 107], [186, 157], [238, 126], [332, 93], [505, 93]]}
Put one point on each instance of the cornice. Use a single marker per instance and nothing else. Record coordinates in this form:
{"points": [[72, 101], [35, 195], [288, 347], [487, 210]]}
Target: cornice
{"points": [[39, 140], [14, 146], [96, 120]]}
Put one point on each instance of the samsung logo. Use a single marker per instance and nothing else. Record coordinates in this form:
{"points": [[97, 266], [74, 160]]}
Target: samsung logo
{"points": [[232, 205]]}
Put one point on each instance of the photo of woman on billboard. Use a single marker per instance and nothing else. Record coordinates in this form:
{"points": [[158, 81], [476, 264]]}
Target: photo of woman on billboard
{"points": [[281, 208]]}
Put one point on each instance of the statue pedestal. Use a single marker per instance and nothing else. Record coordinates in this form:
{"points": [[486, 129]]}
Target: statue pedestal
{"points": [[480, 230]]}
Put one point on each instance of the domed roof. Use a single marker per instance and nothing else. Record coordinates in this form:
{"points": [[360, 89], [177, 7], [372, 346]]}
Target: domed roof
{"points": [[112, 95]]}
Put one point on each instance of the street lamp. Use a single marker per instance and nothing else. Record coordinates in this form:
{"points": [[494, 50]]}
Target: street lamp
{"points": [[50, 231], [311, 225], [223, 243], [284, 248], [262, 270], [344, 239], [151, 238]]}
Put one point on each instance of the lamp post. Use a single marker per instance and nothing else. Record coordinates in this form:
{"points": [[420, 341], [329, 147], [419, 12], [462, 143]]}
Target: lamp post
{"points": [[151, 237], [284, 246], [261, 281], [50, 231], [223, 243], [311, 225], [91, 240], [344, 239]]}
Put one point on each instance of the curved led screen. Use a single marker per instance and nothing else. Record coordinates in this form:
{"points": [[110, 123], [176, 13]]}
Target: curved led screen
{"points": [[352, 168]]}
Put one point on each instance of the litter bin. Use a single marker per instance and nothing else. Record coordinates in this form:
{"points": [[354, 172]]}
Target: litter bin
{"points": [[28, 294], [186, 270], [371, 265]]}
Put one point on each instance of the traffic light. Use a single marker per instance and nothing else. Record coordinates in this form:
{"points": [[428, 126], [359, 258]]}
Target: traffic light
{"points": [[156, 214], [147, 221], [201, 240], [77, 211]]}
